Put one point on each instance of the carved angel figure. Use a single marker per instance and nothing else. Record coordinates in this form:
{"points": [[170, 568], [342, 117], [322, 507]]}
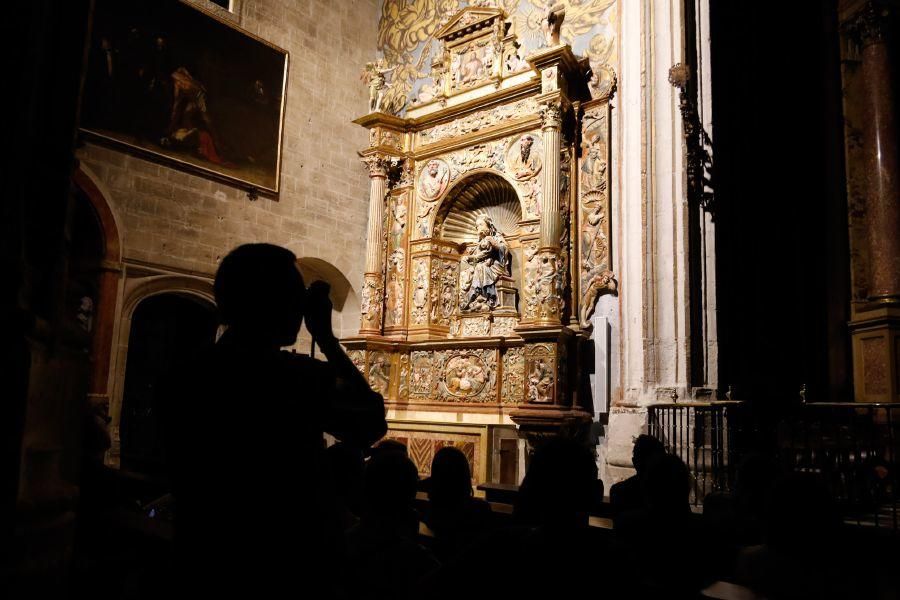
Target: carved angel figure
{"points": [[374, 76], [489, 261]]}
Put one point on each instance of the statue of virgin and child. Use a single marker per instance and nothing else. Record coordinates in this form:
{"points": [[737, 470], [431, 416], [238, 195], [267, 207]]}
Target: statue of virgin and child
{"points": [[488, 260]]}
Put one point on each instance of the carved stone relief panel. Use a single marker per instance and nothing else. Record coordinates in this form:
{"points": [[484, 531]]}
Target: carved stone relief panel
{"points": [[595, 276], [358, 358], [466, 375], [489, 155], [530, 276], [513, 386], [443, 291], [540, 373], [403, 380], [421, 380], [504, 326], [371, 302], [478, 121], [419, 293], [472, 64], [549, 286], [380, 371], [395, 287]]}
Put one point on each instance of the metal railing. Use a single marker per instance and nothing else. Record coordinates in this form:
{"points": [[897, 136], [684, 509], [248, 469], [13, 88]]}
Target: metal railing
{"points": [[703, 435], [854, 448]]}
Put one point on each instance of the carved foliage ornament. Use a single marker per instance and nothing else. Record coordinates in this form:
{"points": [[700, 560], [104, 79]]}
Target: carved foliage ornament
{"points": [[512, 388], [551, 115]]}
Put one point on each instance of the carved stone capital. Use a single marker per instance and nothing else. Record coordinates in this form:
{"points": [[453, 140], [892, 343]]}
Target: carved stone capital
{"points": [[551, 114], [377, 165], [872, 24]]}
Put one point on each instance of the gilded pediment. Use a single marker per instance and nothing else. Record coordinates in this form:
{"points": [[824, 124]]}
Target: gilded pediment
{"points": [[469, 20]]}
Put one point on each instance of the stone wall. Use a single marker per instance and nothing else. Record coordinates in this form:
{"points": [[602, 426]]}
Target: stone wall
{"points": [[175, 220]]}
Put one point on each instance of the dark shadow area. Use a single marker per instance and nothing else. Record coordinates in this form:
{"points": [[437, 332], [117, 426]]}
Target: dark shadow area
{"points": [[166, 331]]}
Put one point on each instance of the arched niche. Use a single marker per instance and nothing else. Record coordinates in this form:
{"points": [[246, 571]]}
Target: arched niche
{"points": [[483, 192], [137, 290], [167, 330], [489, 182], [345, 318]]}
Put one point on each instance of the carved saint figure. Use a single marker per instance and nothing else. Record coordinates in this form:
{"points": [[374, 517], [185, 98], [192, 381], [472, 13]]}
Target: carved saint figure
{"points": [[593, 169], [524, 163], [489, 260], [434, 180], [540, 382], [551, 24], [398, 223], [471, 67]]}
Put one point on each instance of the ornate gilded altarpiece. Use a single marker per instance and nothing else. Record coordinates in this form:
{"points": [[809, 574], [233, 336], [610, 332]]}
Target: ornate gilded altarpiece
{"points": [[489, 240]]}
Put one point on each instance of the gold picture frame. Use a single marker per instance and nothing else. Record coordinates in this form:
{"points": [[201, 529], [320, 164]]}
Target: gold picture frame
{"points": [[176, 84]]}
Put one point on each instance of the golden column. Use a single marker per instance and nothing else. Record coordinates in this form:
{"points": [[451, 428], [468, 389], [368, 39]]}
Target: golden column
{"points": [[550, 287], [875, 322], [372, 302]]}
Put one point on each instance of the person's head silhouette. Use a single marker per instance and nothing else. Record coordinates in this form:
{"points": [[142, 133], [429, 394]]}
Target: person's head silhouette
{"points": [[645, 448], [260, 294], [451, 478]]}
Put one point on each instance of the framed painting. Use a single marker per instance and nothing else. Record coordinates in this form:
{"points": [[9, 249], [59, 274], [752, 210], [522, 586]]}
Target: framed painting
{"points": [[176, 84]]}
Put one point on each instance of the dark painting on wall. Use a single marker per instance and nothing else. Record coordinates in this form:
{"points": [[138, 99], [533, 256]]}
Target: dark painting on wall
{"points": [[176, 84]]}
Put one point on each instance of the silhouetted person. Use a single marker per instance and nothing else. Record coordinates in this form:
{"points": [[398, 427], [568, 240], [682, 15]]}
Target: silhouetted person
{"points": [[549, 549], [627, 495], [661, 544], [254, 505], [386, 560], [454, 515]]}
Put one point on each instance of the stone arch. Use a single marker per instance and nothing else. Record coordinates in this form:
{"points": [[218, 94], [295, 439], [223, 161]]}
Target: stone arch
{"points": [[108, 279], [344, 298], [450, 194], [136, 291], [95, 192]]}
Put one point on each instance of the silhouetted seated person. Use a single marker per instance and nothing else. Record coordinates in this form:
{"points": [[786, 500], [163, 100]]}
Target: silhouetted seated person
{"points": [[254, 505], [660, 546], [386, 561], [627, 495], [549, 551], [800, 557], [454, 515]]}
